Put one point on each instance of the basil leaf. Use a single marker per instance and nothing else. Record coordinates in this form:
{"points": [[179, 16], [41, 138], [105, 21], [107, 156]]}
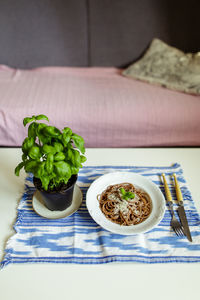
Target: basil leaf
{"points": [[32, 130], [50, 157], [49, 163], [27, 144], [130, 195], [70, 154], [34, 152], [24, 157], [18, 168], [30, 166], [42, 117], [28, 120], [58, 147], [83, 159], [51, 131], [39, 171], [45, 182], [59, 156], [67, 131], [65, 139], [74, 170], [79, 142], [127, 195], [122, 190], [62, 169], [44, 139], [77, 159], [48, 149]]}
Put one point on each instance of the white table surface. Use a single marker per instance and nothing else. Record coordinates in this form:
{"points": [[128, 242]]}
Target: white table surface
{"points": [[106, 281]]}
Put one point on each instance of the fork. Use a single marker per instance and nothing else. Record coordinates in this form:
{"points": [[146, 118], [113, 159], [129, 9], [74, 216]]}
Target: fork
{"points": [[175, 224]]}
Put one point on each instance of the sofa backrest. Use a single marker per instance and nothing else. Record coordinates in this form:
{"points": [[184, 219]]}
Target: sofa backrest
{"points": [[38, 33]]}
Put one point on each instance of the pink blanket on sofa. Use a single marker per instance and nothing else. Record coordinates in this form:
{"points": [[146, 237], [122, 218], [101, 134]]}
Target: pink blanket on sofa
{"points": [[101, 105]]}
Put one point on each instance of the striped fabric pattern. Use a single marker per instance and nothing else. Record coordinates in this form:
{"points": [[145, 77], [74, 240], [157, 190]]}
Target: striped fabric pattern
{"points": [[78, 239]]}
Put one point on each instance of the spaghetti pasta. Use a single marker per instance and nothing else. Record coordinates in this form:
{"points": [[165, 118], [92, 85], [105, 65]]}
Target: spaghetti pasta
{"points": [[130, 210]]}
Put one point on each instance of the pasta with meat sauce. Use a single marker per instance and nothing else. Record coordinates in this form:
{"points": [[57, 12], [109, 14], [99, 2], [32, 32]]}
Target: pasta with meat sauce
{"points": [[125, 204]]}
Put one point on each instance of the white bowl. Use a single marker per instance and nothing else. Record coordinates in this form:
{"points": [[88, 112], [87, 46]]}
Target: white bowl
{"points": [[100, 184]]}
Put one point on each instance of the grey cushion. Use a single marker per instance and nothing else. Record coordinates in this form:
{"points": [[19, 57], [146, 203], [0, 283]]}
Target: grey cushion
{"points": [[169, 67]]}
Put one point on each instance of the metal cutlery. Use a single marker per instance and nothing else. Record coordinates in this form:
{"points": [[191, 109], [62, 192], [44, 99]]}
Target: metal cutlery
{"points": [[181, 210], [175, 224]]}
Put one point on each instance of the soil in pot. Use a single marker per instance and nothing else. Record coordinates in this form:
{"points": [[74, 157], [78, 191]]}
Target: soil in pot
{"points": [[60, 198]]}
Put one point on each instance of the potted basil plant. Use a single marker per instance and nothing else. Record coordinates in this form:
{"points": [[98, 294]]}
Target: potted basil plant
{"points": [[54, 158]]}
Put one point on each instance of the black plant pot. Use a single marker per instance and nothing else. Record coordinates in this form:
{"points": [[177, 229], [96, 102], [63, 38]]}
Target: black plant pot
{"points": [[57, 200]]}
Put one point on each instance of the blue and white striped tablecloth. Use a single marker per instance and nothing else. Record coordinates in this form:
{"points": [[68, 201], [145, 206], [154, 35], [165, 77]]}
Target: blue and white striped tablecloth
{"points": [[78, 239]]}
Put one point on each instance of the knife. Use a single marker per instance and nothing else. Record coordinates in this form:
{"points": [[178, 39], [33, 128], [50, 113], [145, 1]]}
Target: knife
{"points": [[181, 210]]}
